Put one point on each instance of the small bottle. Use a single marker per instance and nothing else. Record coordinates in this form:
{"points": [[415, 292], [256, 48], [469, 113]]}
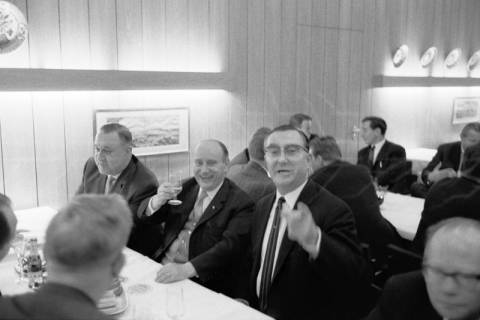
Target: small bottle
{"points": [[33, 264]]}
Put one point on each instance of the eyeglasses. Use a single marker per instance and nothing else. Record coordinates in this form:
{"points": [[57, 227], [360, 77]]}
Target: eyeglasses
{"points": [[290, 150], [468, 280]]}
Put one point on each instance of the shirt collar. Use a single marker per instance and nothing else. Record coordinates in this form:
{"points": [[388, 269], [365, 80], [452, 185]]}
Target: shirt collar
{"points": [[292, 196], [379, 144], [212, 193]]}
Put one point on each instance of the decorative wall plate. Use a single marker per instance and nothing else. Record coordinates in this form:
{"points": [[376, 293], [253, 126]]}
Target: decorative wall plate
{"points": [[400, 56], [474, 60], [428, 56], [453, 57]]}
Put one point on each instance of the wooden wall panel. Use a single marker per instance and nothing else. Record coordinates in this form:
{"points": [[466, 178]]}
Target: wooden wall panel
{"points": [[303, 53], [129, 34], [103, 34], [200, 54], [154, 33], [177, 33]]}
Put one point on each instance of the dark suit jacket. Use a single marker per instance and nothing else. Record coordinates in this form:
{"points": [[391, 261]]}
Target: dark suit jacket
{"points": [[252, 179], [405, 297], [241, 158], [390, 167], [312, 289], [448, 198], [136, 184], [52, 301], [354, 185], [448, 154], [220, 239]]}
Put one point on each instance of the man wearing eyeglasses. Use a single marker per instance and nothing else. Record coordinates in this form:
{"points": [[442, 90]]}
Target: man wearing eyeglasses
{"points": [[306, 260], [449, 285]]}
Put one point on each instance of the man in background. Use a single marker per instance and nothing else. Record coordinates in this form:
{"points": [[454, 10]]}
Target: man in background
{"points": [[448, 287], [8, 225], [303, 123], [352, 184], [307, 263], [204, 238], [253, 177], [447, 162], [385, 160], [114, 169], [83, 247]]}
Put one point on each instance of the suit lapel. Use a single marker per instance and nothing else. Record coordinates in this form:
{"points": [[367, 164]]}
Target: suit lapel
{"points": [[258, 236], [216, 204], [306, 196], [381, 155]]}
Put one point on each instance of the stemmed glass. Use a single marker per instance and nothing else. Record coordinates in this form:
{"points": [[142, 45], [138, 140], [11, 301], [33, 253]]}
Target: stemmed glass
{"points": [[380, 190], [175, 302], [175, 180], [18, 245]]}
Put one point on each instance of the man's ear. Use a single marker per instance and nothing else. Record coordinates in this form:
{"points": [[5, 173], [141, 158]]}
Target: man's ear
{"points": [[118, 264]]}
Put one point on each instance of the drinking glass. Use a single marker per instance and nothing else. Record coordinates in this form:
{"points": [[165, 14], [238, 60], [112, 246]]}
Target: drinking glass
{"points": [[381, 191], [175, 302], [175, 180], [18, 245]]}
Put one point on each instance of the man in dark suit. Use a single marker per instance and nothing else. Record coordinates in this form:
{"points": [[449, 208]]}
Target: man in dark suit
{"points": [[353, 185], [8, 225], [303, 122], [206, 236], [307, 263], [386, 161], [452, 197], [114, 169], [83, 247], [447, 161], [448, 287], [253, 177]]}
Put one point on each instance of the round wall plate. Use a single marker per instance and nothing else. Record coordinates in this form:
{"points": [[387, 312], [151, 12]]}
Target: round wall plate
{"points": [[400, 56], [13, 27], [428, 56], [474, 60], [453, 57]]}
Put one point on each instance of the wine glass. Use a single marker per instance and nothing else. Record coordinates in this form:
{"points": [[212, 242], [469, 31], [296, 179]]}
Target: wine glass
{"points": [[175, 302], [175, 180], [18, 245], [381, 191]]}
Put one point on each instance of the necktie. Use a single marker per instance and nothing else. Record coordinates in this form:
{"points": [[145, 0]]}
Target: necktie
{"points": [[459, 171], [109, 185], [270, 256], [371, 154]]}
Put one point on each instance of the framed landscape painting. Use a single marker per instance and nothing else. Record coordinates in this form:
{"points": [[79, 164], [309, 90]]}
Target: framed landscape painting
{"points": [[154, 131], [466, 110]]}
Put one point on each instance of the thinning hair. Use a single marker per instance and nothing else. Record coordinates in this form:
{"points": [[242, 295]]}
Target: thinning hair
{"points": [[123, 132], [297, 119], [255, 146], [287, 127], [471, 163], [468, 230], [376, 122], [222, 147], [325, 147], [6, 232], [474, 126], [89, 231]]}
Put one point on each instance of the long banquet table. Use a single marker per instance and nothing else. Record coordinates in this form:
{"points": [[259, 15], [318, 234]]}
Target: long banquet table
{"points": [[404, 212], [146, 298]]}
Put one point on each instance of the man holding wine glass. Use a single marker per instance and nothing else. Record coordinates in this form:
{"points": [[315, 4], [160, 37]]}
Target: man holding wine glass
{"points": [[205, 231]]}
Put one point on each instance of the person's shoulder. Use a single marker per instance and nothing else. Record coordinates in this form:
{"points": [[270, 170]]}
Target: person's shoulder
{"points": [[235, 192], [449, 146], [393, 145]]}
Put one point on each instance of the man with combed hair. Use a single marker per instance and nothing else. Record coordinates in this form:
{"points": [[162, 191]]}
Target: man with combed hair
{"points": [[307, 263], [352, 184], [206, 236], [448, 287], [8, 225], [385, 160], [253, 177], [83, 248], [114, 169], [303, 122], [447, 162]]}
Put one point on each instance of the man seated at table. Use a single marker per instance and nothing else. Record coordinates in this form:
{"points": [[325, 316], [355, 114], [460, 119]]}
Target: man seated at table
{"points": [[114, 169], [447, 162], [8, 225], [253, 177], [206, 236], [83, 249], [386, 161], [448, 287], [352, 184], [441, 201], [307, 263]]}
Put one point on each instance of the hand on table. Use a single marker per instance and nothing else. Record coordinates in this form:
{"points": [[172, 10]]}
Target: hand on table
{"points": [[173, 272], [437, 174]]}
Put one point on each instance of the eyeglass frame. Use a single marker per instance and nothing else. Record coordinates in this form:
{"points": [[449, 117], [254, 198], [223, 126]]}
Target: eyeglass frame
{"points": [[461, 279], [288, 154]]}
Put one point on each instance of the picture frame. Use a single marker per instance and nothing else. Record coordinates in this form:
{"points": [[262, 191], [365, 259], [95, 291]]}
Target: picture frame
{"points": [[466, 110], [154, 131]]}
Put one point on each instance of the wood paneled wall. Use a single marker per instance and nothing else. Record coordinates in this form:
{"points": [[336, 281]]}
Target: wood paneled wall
{"points": [[276, 58]]}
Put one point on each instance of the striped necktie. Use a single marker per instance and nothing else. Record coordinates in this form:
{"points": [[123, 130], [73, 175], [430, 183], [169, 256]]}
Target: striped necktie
{"points": [[270, 256], [109, 184]]}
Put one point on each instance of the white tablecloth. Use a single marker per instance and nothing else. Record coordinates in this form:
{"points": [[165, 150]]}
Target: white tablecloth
{"points": [[404, 212], [147, 299]]}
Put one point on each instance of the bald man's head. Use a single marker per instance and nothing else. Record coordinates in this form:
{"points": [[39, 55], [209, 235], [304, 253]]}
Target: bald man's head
{"points": [[210, 164]]}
